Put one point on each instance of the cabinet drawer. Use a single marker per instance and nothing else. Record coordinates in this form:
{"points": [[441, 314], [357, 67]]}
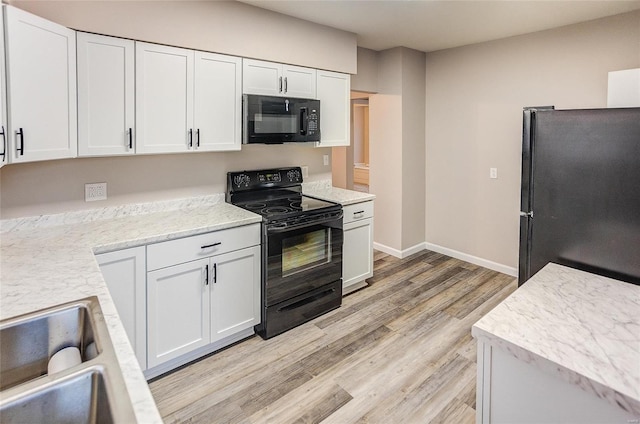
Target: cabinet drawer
{"points": [[358, 211], [172, 252]]}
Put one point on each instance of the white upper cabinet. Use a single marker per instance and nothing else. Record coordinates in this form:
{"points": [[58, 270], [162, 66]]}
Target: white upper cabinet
{"points": [[333, 92], [106, 114], [41, 88], [276, 79], [186, 100], [218, 102], [4, 148], [298, 82], [164, 99]]}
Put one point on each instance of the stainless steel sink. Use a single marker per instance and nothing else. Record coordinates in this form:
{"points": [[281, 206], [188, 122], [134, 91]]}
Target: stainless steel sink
{"points": [[90, 392], [78, 398], [28, 342]]}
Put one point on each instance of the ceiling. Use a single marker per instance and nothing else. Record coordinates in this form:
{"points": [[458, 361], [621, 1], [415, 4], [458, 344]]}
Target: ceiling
{"points": [[430, 25]]}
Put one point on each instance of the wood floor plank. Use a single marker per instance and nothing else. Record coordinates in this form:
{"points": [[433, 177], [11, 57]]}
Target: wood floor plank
{"points": [[398, 350]]}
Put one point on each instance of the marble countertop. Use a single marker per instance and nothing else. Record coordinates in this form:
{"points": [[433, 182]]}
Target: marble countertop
{"points": [[335, 194], [50, 260], [580, 326]]}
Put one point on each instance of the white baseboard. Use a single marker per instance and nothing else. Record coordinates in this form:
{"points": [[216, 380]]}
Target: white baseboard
{"points": [[449, 252], [399, 253], [473, 259]]}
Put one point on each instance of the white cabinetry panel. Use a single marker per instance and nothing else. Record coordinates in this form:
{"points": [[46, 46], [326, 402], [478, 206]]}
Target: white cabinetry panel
{"points": [[178, 311], [218, 102], [124, 272], [276, 79], [260, 77], [299, 82], [164, 98], [333, 92], [106, 113], [41, 89], [4, 145], [357, 261], [235, 292]]}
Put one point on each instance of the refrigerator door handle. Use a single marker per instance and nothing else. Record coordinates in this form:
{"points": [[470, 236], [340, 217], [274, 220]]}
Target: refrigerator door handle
{"points": [[528, 214]]}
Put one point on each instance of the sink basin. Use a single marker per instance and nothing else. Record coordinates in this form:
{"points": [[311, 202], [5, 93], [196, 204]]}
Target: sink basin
{"points": [[80, 398], [28, 342], [93, 391]]}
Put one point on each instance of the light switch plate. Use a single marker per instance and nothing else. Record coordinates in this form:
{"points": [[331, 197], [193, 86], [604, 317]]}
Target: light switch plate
{"points": [[305, 171], [325, 159], [493, 173]]}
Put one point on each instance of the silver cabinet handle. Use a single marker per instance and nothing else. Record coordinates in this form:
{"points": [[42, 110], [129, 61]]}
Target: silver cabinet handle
{"points": [[285, 85]]}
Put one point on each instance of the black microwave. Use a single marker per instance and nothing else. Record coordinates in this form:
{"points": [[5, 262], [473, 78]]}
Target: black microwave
{"points": [[275, 120]]}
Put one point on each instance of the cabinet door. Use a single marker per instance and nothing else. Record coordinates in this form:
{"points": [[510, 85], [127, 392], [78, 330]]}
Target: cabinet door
{"points": [[235, 292], [41, 73], [218, 102], [357, 260], [299, 82], [333, 93], [4, 148], [177, 311], [125, 274], [164, 99], [105, 95], [260, 77]]}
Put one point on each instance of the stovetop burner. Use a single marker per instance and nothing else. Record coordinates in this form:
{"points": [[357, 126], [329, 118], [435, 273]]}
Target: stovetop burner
{"points": [[275, 194]]}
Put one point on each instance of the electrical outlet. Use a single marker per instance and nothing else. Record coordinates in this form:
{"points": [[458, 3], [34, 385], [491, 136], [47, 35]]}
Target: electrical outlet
{"points": [[95, 191], [493, 173], [325, 159], [305, 171]]}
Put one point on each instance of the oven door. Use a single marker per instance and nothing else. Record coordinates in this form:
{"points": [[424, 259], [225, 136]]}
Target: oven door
{"points": [[274, 120], [302, 259]]}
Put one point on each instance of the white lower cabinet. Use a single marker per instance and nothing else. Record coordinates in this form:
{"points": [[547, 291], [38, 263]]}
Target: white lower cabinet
{"points": [[200, 305], [235, 292], [357, 251], [125, 274], [178, 310], [511, 390]]}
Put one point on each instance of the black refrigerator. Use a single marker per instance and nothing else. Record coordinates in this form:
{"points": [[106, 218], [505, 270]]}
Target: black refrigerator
{"points": [[580, 199]]}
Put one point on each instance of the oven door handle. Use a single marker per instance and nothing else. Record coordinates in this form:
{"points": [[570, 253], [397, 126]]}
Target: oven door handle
{"points": [[274, 228]]}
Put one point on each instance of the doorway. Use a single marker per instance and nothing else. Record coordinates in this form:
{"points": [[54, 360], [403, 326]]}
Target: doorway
{"points": [[350, 165]]}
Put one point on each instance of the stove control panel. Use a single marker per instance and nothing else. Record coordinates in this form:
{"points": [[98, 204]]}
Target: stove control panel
{"points": [[267, 178]]}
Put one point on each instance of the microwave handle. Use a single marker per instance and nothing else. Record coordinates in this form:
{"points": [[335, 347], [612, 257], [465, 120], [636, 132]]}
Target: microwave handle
{"points": [[303, 121]]}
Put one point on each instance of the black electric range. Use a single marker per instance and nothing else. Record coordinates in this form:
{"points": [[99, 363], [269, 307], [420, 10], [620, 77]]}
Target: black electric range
{"points": [[301, 246]]}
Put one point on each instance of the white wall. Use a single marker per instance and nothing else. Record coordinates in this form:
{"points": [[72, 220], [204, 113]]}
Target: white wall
{"points": [[474, 101], [220, 26]]}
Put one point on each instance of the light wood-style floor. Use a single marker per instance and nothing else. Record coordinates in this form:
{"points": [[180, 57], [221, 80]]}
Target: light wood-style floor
{"points": [[398, 351]]}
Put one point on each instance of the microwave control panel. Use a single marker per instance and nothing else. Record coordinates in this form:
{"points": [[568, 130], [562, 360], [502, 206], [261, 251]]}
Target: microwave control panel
{"points": [[312, 122]]}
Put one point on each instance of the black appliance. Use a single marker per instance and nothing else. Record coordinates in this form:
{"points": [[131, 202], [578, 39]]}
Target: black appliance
{"points": [[301, 247], [276, 120], [580, 197]]}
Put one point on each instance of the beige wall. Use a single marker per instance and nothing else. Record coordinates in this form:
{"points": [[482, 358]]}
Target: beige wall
{"points": [[58, 186], [225, 27], [220, 26], [367, 77], [475, 97], [396, 149], [413, 148]]}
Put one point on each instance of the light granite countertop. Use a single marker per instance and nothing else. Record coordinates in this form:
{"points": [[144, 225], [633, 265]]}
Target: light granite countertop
{"points": [[50, 260], [335, 194], [582, 327]]}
